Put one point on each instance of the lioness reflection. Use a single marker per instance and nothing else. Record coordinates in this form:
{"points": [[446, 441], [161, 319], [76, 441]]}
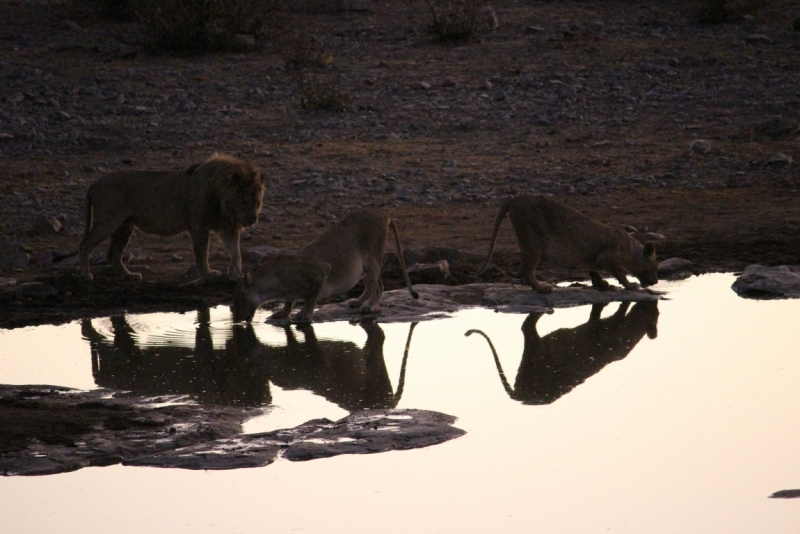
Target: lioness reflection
{"points": [[235, 375], [353, 378], [553, 365]]}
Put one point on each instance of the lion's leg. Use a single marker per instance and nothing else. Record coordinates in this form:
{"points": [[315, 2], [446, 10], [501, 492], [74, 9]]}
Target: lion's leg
{"points": [[230, 240], [200, 247], [623, 279], [530, 260], [285, 312], [87, 245], [119, 240], [306, 314], [374, 287], [598, 282]]}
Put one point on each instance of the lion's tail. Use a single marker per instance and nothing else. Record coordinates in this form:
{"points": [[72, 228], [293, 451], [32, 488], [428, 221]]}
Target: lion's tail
{"points": [[500, 216], [88, 215], [401, 259]]}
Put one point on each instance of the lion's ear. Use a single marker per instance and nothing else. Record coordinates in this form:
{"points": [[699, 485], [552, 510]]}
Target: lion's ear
{"points": [[649, 249]]}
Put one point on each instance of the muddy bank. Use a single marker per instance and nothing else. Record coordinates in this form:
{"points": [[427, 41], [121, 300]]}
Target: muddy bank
{"points": [[57, 430]]}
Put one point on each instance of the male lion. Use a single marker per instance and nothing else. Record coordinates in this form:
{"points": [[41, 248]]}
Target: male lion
{"points": [[348, 251], [223, 194], [549, 230]]}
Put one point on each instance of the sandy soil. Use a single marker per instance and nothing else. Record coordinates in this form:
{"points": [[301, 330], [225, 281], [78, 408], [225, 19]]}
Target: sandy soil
{"points": [[636, 115]]}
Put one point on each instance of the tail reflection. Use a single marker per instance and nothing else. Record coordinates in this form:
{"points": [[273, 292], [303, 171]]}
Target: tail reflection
{"points": [[555, 364], [341, 372], [353, 378]]}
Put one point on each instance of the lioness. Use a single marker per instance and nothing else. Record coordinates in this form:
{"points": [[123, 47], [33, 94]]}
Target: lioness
{"points": [[549, 230], [348, 251], [223, 194]]}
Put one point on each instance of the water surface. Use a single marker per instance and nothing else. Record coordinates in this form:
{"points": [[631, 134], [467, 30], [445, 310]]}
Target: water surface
{"points": [[688, 431]]}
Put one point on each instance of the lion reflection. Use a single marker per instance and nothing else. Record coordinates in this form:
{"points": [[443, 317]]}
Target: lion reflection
{"points": [[354, 378], [555, 364]]}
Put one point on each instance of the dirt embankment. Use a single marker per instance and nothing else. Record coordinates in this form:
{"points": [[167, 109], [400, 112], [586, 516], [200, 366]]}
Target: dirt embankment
{"points": [[635, 115]]}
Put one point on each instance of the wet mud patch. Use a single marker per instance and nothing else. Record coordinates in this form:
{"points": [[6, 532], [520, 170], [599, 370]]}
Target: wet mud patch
{"points": [[49, 429]]}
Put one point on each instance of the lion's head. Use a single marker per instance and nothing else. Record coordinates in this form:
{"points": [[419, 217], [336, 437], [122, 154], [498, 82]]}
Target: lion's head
{"points": [[239, 185]]}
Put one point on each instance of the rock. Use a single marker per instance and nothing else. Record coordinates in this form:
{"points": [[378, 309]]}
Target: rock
{"points": [[792, 493], [449, 82], [43, 259], [15, 260], [701, 146], [259, 253], [35, 290], [7, 282], [779, 159], [5, 136], [673, 266], [103, 427], [432, 255], [758, 281], [425, 85], [758, 38], [440, 301], [429, 273], [243, 43], [777, 129], [46, 225], [530, 30]]}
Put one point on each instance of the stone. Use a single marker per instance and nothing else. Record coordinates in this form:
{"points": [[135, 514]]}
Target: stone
{"points": [[15, 260], [430, 255], [259, 253], [46, 225], [35, 290], [701, 146], [758, 281], [779, 159], [242, 42], [7, 282], [430, 273], [160, 432], [436, 301], [758, 38], [672, 266], [792, 493]]}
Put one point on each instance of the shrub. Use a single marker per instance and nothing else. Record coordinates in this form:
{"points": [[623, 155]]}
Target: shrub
{"points": [[320, 95], [719, 11], [299, 51], [458, 20], [116, 10], [200, 25]]}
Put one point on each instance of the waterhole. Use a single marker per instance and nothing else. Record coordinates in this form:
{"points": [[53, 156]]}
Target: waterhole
{"points": [[680, 416]]}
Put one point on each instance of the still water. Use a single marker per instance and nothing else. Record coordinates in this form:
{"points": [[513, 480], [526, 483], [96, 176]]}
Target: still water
{"points": [[679, 419]]}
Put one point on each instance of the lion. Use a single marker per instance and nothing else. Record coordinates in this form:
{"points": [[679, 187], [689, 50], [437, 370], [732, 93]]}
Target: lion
{"points": [[223, 194], [549, 230], [553, 365], [350, 250]]}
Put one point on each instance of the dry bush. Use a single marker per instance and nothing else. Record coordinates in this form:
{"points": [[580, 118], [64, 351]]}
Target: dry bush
{"points": [[299, 50], [719, 11], [458, 20], [320, 95], [201, 25], [116, 10]]}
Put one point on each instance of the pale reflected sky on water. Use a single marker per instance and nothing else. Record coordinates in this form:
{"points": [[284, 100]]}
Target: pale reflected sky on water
{"points": [[688, 433]]}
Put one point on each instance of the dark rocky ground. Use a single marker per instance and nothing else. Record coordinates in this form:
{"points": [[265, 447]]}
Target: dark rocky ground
{"points": [[630, 111]]}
